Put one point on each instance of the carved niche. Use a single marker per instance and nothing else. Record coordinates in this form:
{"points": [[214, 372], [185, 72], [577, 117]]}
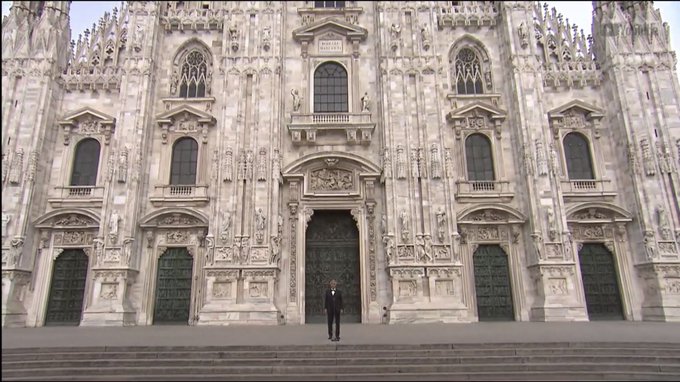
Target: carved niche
{"points": [[90, 123]]}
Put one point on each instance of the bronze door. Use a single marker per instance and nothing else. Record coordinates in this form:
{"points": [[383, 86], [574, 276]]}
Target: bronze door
{"points": [[603, 299], [492, 284], [332, 252], [67, 289], [173, 287]]}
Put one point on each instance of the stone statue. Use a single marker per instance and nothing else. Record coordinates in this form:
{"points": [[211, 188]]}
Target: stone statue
{"points": [[5, 222], [233, 32], [174, 81], [395, 31], [425, 35], [297, 101], [404, 225], [276, 249], [664, 226], [441, 224], [523, 35], [650, 246], [113, 227], [260, 220], [365, 102], [389, 248], [428, 247], [383, 224]]}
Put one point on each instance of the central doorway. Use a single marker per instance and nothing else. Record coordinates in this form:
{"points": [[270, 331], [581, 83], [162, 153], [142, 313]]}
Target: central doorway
{"points": [[173, 287], [492, 284], [67, 289], [332, 252]]}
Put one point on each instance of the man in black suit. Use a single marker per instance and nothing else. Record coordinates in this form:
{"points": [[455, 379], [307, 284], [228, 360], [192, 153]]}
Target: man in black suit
{"points": [[333, 308]]}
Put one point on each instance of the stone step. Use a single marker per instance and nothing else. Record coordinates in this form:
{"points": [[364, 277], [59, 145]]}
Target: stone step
{"points": [[330, 346], [77, 354], [449, 376], [340, 369], [427, 360]]}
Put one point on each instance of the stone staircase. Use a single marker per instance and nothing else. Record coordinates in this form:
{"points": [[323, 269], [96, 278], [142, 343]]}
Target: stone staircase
{"points": [[506, 361]]}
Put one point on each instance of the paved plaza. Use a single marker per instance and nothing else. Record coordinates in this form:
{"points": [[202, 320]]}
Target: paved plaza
{"points": [[360, 334]]}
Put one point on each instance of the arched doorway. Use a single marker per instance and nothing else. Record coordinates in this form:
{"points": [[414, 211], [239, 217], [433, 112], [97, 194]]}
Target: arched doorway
{"points": [[600, 285], [492, 284], [332, 252], [67, 289], [173, 287]]}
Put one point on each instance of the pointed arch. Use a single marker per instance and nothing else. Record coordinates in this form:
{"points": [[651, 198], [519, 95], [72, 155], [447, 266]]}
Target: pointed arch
{"points": [[470, 66], [192, 70]]}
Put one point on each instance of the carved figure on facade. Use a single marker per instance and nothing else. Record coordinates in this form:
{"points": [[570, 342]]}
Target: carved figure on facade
{"points": [[436, 162], [415, 174], [650, 245], [138, 39], [387, 164], [555, 167], [537, 241], [297, 100], [228, 173], [552, 228], [17, 166], [389, 248], [395, 35], [249, 164], [441, 224], [234, 35], [262, 165], [5, 223], [420, 248], [648, 160], [365, 103], [114, 220], [401, 163], [12, 257], [425, 36], [404, 219], [5, 166], [275, 250], [260, 225], [664, 226], [427, 248], [127, 251], [457, 239], [266, 37], [98, 246], [122, 165], [523, 35], [541, 161], [331, 180], [664, 157], [448, 163]]}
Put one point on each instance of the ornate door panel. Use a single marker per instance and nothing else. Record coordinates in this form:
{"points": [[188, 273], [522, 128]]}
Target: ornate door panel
{"points": [[332, 252], [600, 285], [492, 284], [173, 287], [65, 303]]}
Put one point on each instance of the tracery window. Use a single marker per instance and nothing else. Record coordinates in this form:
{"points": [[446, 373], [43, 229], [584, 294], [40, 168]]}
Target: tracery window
{"points": [[577, 155], [330, 89], [184, 161], [86, 163], [468, 72], [478, 158], [193, 75]]}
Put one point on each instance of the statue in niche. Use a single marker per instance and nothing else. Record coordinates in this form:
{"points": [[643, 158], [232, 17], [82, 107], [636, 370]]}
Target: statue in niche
{"points": [[225, 227], [297, 100], [664, 226], [113, 226], [404, 225], [365, 103], [276, 250], [233, 32], [425, 35], [389, 248], [267, 35], [383, 224], [174, 81], [523, 35], [428, 247], [260, 224], [441, 224], [395, 31], [5, 222], [650, 246]]}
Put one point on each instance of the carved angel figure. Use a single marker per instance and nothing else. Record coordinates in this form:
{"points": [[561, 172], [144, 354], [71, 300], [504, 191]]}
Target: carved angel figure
{"points": [[297, 100], [365, 102]]}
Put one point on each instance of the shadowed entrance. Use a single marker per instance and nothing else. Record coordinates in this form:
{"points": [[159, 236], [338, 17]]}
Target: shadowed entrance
{"points": [[332, 252], [65, 304]]}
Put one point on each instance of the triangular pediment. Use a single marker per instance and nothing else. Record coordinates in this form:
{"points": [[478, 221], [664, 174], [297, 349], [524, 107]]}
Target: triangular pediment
{"points": [[184, 112], [477, 109], [87, 113], [591, 111], [329, 24]]}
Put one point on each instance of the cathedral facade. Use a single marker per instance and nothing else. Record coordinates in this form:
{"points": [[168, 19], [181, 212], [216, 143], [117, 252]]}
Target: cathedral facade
{"points": [[218, 163]]}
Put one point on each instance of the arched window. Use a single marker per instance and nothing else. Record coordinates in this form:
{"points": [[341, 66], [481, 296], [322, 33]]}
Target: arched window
{"points": [[193, 75], [478, 158], [330, 89], [577, 154], [86, 163], [468, 72], [184, 161], [329, 4]]}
